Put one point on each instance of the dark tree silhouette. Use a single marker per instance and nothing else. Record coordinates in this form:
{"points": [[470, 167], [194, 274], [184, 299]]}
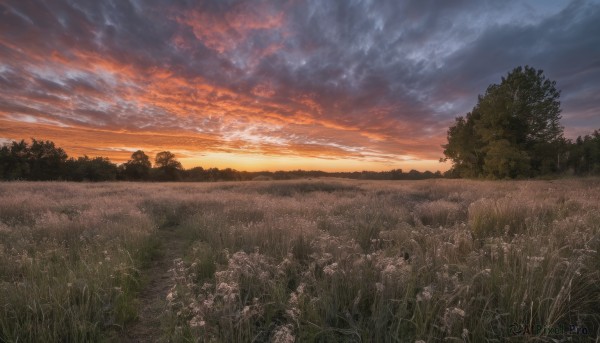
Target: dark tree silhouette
{"points": [[138, 167], [14, 164], [46, 161], [168, 166], [91, 169], [41, 160]]}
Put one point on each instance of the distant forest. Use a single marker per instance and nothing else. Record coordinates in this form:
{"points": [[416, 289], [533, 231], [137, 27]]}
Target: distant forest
{"points": [[43, 161]]}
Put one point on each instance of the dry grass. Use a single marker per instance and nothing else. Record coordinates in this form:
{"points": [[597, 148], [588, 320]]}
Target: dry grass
{"points": [[323, 260]]}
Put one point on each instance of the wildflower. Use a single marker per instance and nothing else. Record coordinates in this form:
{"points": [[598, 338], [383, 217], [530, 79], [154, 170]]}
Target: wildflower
{"points": [[459, 312], [208, 303], [284, 265], [425, 294], [196, 322], [452, 316], [293, 299], [330, 269], [389, 270], [225, 288], [284, 334], [379, 287], [534, 261], [465, 334]]}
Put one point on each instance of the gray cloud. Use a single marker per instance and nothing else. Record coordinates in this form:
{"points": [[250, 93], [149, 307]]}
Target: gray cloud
{"points": [[400, 70]]}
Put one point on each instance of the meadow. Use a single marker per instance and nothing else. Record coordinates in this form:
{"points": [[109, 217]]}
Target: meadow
{"points": [[323, 260]]}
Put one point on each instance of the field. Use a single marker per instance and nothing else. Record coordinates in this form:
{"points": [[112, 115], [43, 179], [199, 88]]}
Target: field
{"points": [[310, 260]]}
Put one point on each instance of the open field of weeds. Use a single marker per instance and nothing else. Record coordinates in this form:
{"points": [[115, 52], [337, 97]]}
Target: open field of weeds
{"points": [[303, 261]]}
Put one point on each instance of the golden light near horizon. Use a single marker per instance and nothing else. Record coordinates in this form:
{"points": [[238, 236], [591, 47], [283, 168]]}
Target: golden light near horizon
{"points": [[268, 86], [257, 162]]}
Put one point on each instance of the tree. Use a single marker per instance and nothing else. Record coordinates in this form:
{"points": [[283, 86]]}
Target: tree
{"points": [[512, 131], [46, 161], [583, 155], [41, 160], [464, 146], [14, 164], [91, 169], [138, 167], [504, 160], [165, 161]]}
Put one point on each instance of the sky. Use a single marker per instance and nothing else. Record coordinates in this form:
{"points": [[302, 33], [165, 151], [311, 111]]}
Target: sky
{"points": [[281, 85]]}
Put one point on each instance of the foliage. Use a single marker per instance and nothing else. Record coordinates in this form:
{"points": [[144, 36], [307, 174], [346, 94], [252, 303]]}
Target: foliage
{"points": [[43, 161], [40, 160], [167, 166], [137, 168], [513, 130], [583, 156], [90, 169]]}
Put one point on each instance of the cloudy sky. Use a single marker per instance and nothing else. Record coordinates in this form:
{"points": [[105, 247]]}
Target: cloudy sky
{"points": [[255, 85]]}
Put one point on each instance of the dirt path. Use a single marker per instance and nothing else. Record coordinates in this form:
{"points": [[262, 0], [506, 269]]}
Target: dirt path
{"points": [[147, 327]]}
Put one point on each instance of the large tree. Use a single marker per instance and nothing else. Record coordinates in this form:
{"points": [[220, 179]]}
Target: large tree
{"points": [[513, 131]]}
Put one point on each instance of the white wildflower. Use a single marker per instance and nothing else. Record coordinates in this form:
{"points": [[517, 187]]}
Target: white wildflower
{"points": [[425, 294], [330, 269], [389, 270], [300, 288], [196, 322], [452, 316], [458, 311], [284, 334], [534, 262]]}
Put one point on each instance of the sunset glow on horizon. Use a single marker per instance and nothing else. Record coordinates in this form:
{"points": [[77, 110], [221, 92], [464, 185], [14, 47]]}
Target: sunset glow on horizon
{"points": [[333, 86]]}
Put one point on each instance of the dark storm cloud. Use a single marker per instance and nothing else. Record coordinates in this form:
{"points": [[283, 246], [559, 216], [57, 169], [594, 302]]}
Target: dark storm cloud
{"points": [[363, 77], [563, 45]]}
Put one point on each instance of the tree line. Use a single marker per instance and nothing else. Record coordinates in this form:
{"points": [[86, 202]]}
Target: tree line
{"points": [[514, 132], [43, 161]]}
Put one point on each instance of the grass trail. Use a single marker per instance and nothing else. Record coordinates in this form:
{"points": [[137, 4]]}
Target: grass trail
{"points": [[147, 327]]}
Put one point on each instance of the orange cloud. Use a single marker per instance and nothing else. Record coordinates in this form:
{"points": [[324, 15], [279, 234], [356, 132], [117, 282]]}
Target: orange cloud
{"points": [[91, 101], [224, 32]]}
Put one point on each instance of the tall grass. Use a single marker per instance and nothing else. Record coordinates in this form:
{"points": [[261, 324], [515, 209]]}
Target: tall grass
{"points": [[69, 261], [315, 260], [430, 261]]}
